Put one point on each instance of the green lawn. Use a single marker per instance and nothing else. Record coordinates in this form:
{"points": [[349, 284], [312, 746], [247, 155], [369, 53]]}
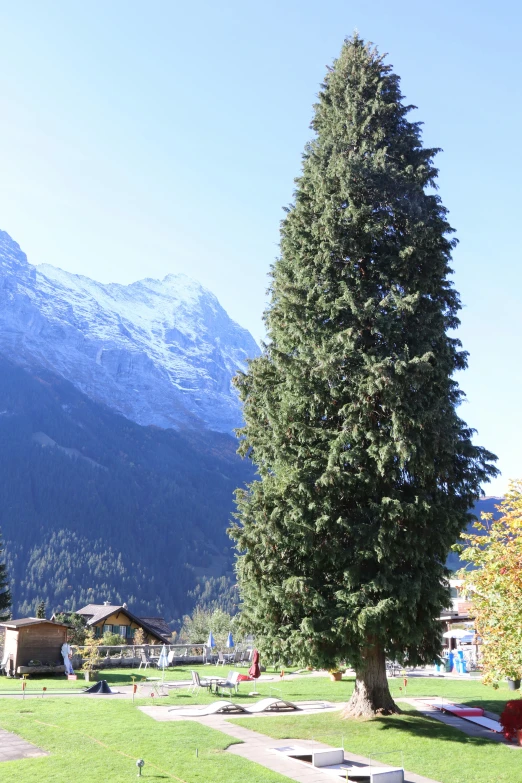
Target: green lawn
{"points": [[428, 747], [100, 740], [470, 692], [94, 741], [123, 677]]}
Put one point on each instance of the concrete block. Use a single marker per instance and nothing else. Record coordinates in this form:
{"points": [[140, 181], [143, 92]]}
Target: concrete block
{"points": [[325, 758]]}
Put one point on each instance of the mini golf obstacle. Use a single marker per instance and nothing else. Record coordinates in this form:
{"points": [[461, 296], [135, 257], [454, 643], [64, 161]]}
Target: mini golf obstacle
{"points": [[99, 688], [332, 762], [224, 707], [471, 714]]}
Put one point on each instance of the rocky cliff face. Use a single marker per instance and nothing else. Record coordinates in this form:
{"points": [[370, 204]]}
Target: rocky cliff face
{"points": [[160, 352]]}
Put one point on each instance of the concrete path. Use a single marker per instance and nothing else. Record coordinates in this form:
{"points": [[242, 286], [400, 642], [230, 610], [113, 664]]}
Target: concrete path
{"points": [[259, 748], [471, 729], [14, 748]]}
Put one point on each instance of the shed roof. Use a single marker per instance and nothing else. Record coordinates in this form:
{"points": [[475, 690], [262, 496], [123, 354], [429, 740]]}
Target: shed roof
{"points": [[29, 621]]}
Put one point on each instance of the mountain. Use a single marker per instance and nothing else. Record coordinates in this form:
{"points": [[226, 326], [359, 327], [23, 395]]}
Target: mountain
{"points": [[486, 505], [159, 352], [96, 507]]}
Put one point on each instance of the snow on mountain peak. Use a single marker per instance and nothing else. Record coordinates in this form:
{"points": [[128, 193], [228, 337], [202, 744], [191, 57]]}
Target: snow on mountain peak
{"points": [[161, 352]]}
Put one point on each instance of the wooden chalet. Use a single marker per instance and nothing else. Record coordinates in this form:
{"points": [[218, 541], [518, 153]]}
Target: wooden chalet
{"points": [[106, 618]]}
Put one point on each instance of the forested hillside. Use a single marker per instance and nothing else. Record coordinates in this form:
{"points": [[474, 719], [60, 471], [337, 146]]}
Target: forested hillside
{"points": [[95, 507], [485, 506]]}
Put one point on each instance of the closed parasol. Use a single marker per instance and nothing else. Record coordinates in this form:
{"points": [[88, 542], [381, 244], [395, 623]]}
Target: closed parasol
{"points": [[254, 670]]}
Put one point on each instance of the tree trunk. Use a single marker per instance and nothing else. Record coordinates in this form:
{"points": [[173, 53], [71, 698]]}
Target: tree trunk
{"points": [[371, 695]]}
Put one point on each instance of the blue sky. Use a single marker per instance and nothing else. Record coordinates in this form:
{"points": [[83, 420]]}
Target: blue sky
{"points": [[139, 139]]}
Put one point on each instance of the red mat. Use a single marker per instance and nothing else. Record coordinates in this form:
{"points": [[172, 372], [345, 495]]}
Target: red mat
{"points": [[464, 712]]}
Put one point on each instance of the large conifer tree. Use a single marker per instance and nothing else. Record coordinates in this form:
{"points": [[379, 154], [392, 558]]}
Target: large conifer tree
{"points": [[5, 595], [366, 473]]}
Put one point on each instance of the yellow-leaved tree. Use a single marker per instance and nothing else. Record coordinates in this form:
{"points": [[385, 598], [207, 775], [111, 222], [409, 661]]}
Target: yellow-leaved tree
{"points": [[495, 586]]}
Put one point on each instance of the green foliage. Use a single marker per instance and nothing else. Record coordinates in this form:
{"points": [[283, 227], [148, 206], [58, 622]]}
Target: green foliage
{"points": [[216, 593], [5, 593], [197, 626], [40, 610], [495, 586], [139, 636], [366, 472], [113, 639], [77, 626], [91, 654], [113, 509]]}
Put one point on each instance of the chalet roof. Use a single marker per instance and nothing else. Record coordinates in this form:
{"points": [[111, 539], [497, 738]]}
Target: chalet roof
{"points": [[158, 624], [98, 612], [29, 621]]}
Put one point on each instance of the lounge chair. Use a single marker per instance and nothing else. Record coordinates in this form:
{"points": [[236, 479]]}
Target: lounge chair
{"points": [[208, 655], [170, 658], [198, 682], [230, 684], [245, 658], [145, 660], [220, 659]]}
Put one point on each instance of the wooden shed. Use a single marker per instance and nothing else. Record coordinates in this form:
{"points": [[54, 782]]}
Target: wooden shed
{"points": [[36, 641]]}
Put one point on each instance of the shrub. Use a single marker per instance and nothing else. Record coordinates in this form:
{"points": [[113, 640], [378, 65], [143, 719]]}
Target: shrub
{"points": [[112, 639], [91, 652], [511, 719], [139, 637]]}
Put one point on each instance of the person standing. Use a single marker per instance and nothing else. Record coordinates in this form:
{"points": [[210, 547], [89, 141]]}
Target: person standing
{"points": [[67, 655]]}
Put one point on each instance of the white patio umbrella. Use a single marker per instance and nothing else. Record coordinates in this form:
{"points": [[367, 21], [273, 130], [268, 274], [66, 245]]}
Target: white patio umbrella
{"points": [[456, 633], [163, 660]]}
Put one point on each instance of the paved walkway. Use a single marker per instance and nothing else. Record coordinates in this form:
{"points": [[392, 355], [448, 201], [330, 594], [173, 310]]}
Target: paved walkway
{"points": [[260, 748], [14, 748]]}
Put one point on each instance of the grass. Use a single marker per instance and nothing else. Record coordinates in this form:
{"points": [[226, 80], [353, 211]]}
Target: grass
{"points": [[93, 741], [122, 677], [426, 746], [99, 740], [470, 692]]}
